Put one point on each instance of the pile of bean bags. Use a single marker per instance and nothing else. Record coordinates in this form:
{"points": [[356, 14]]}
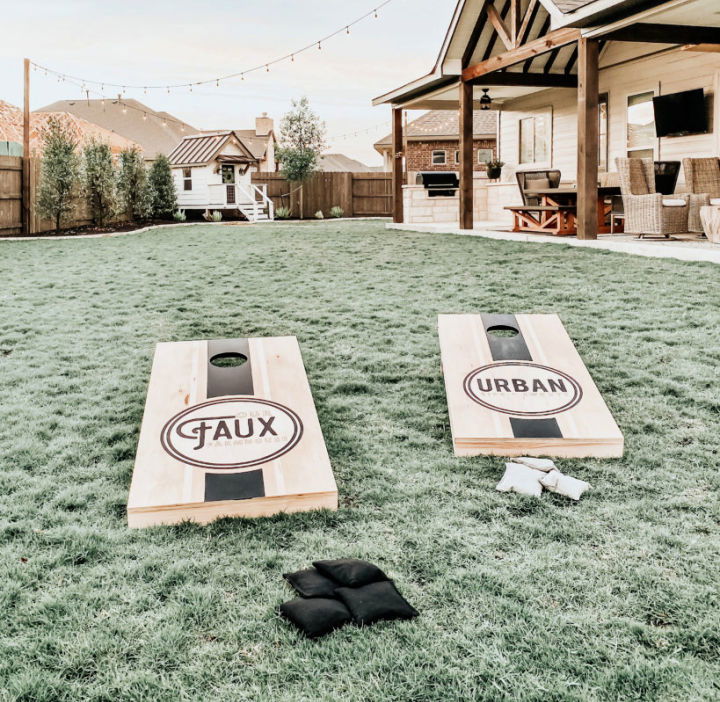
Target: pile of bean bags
{"points": [[528, 476], [343, 591]]}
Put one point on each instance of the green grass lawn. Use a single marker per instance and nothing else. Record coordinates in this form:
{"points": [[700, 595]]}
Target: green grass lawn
{"points": [[612, 598]]}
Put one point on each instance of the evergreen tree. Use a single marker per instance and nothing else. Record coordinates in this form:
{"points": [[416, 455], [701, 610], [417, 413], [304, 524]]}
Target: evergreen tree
{"points": [[302, 140], [58, 173], [162, 188], [98, 180], [133, 185]]}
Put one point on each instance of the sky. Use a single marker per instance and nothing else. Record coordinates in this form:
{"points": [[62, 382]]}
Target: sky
{"points": [[173, 41]]}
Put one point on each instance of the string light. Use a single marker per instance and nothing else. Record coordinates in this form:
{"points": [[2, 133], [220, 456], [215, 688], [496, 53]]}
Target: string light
{"points": [[241, 74]]}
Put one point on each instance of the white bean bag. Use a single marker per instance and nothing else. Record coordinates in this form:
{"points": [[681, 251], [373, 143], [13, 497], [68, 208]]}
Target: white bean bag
{"points": [[543, 464], [555, 481], [521, 479]]}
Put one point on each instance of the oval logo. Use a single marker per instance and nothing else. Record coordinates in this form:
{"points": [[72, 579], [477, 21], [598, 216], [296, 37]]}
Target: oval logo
{"points": [[522, 389], [231, 433]]}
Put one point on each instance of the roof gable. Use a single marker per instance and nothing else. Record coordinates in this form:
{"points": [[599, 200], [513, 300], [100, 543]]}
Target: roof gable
{"points": [[438, 124], [201, 149]]}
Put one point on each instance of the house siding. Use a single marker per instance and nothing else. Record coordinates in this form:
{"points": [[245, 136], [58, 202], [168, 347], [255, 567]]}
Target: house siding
{"points": [[666, 73]]}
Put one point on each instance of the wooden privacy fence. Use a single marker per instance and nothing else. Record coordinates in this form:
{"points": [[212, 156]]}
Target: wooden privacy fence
{"points": [[11, 200], [359, 194]]}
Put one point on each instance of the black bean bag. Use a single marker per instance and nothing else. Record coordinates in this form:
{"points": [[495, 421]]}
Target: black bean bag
{"points": [[316, 616], [375, 602], [350, 572], [311, 583]]}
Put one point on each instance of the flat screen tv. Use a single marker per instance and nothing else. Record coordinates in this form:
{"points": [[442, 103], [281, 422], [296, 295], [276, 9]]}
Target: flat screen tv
{"points": [[680, 114]]}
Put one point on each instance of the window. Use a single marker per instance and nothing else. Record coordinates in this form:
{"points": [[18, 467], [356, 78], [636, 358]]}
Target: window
{"points": [[640, 126], [457, 158], [187, 178], [439, 158], [603, 132], [227, 173], [485, 155], [535, 138]]}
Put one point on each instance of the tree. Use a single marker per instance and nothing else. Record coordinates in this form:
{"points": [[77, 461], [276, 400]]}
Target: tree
{"points": [[133, 185], [98, 180], [302, 140], [162, 188], [58, 172]]}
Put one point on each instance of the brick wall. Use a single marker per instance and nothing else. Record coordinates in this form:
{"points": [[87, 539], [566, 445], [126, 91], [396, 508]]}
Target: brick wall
{"points": [[419, 154]]}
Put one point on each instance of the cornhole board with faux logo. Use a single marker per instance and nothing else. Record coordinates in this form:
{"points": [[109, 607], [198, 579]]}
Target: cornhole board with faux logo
{"points": [[229, 430], [516, 385]]}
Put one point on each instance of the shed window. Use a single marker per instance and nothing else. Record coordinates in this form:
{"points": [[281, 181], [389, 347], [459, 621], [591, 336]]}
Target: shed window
{"points": [[439, 157], [187, 178]]}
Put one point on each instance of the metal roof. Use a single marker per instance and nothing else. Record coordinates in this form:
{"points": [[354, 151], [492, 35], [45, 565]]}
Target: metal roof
{"points": [[199, 149]]}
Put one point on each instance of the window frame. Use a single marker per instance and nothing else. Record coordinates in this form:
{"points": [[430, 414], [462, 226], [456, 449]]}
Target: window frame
{"points": [[604, 153], [637, 151], [444, 157], [187, 179], [532, 118], [484, 149]]}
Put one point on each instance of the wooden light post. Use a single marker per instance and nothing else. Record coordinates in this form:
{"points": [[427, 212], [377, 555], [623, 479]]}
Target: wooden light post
{"points": [[397, 165], [588, 138], [26, 150]]}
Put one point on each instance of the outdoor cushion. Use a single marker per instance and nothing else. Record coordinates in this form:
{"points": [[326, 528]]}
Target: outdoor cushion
{"points": [[317, 616], [672, 202], [521, 479], [537, 184], [715, 201], [543, 464], [555, 481], [311, 583], [375, 602], [350, 572]]}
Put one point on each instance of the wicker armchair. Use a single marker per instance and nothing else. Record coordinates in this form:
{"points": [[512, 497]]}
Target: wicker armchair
{"points": [[647, 211], [702, 178]]}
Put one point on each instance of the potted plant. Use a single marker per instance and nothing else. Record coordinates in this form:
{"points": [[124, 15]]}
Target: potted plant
{"points": [[494, 169]]}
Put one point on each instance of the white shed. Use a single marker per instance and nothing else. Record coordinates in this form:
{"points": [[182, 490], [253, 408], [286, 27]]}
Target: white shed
{"points": [[212, 172]]}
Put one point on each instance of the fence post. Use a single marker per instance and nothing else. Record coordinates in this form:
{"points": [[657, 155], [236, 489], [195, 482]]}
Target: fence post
{"points": [[26, 149]]}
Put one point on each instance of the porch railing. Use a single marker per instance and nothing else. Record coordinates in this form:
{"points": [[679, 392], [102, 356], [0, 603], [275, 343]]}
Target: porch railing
{"points": [[241, 194]]}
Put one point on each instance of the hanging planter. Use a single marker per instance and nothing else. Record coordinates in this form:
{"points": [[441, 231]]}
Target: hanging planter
{"points": [[494, 169]]}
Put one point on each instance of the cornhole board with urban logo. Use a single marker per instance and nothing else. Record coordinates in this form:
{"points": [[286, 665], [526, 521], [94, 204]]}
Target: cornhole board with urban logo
{"points": [[229, 440], [516, 385]]}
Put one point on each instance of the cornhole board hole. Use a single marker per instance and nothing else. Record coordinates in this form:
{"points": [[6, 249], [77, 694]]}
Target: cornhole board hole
{"points": [[220, 439], [517, 386]]}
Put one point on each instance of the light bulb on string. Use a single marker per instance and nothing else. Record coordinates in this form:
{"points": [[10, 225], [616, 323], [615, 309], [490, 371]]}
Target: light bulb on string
{"points": [[292, 58], [267, 68], [347, 29], [375, 14], [144, 116], [319, 46], [217, 83]]}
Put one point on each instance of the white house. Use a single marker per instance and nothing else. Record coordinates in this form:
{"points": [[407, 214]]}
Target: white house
{"points": [[212, 170]]}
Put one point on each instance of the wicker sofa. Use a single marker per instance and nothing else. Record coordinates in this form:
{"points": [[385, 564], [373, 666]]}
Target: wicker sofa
{"points": [[702, 178], [647, 211]]}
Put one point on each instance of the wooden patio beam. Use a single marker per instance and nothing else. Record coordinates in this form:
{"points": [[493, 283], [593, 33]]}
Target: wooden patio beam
{"points": [[465, 200], [529, 18], [397, 164], [531, 80], [515, 20], [587, 138], [497, 22], [666, 34], [541, 45]]}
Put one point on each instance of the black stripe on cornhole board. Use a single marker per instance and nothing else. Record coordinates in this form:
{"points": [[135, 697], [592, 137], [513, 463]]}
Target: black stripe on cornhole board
{"points": [[233, 380], [505, 348], [234, 486]]}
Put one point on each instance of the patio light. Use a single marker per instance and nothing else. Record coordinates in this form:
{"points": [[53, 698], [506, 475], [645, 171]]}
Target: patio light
{"points": [[485, 100]]}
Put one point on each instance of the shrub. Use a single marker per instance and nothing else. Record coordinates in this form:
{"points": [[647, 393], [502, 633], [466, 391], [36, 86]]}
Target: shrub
{"points": [[214, 216], [282, 213], [133, 185], [59, 174], [179, 216], [337, 211], [162, 188], [98, 181], [319, 215]]}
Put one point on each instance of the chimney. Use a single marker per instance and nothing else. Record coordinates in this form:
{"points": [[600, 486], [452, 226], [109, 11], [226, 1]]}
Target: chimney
{"points": [[263, 125]]}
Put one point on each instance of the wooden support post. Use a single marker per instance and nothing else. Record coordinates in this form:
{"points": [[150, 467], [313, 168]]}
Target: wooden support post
{"points": [[466, 156], [26, 150], [587, 142], [397, 165]]}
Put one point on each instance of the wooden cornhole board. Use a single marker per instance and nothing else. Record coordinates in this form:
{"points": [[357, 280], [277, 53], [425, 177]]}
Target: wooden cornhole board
{"points": [[241, 441], [527, 394]]}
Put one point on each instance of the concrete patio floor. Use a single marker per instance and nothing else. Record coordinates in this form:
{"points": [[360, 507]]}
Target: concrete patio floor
{"points": [[684, 247]]}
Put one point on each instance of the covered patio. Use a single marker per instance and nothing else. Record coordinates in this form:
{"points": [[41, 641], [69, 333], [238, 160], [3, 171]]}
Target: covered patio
{"points": [[562, 54]]}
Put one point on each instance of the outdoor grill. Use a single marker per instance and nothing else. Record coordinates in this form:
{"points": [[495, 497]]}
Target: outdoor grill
{"points": [[438, 183]]}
